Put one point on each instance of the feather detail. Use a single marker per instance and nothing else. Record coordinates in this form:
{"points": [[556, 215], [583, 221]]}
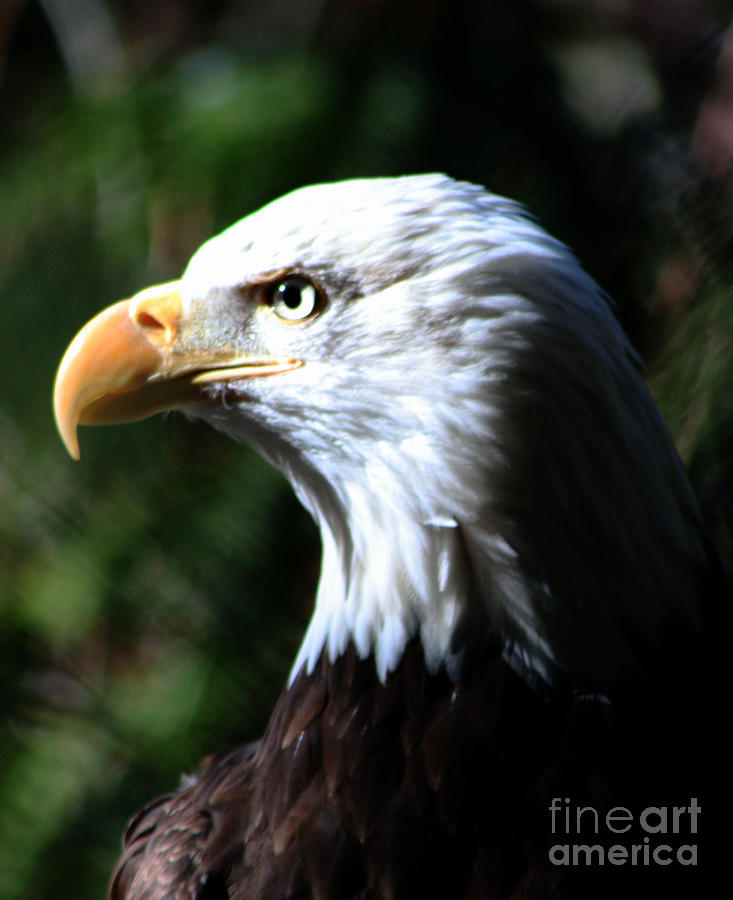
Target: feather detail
{"points": [[422, 786]]}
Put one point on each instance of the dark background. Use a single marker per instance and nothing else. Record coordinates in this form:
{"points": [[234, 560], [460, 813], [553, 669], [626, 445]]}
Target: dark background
{"points": [[152, 596]]}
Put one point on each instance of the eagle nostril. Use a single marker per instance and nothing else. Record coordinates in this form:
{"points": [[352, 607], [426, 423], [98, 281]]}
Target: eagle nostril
{"points": [[156, 313], [146, 320]]}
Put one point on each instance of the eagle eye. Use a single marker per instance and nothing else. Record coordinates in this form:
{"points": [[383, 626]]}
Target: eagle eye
{"points": [[295, 298]]}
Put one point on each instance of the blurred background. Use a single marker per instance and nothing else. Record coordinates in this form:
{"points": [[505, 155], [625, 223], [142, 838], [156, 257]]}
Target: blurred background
{"points": [[152, 596]]}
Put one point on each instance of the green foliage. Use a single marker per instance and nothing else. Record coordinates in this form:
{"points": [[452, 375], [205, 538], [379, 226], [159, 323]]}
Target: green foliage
{"points": [[693, 376], [146, 615]]}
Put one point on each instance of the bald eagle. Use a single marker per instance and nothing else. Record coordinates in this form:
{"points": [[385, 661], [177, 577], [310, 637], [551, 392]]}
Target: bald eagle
{"points": [[508, 657]]}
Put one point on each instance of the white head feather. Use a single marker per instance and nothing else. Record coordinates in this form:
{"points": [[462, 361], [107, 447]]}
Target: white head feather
{"points": [[470, 431]]}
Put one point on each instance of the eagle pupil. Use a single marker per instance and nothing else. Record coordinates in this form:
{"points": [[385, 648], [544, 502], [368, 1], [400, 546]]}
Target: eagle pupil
{"points": [[290, 294]]}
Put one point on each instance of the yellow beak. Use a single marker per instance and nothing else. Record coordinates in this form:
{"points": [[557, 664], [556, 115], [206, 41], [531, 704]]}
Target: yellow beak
{"points": [[130, 362]]}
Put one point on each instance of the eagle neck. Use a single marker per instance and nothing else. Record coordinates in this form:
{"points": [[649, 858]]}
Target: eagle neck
{"points": [[387, 576]]}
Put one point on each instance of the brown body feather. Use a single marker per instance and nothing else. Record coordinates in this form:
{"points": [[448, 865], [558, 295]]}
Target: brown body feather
{"points": [[422, 787]]}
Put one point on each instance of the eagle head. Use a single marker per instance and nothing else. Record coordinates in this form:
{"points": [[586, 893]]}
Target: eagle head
{"points": [[454, 402]]}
